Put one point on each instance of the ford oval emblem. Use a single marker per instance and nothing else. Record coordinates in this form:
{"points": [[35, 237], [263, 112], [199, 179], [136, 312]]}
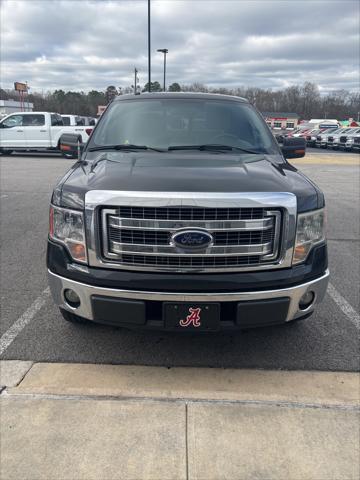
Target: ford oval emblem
{"points": [[192, 239]]}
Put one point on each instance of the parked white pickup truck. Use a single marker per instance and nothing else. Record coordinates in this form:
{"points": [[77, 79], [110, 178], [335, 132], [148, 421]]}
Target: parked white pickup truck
{"points": [[77, 120], [36, 131]]}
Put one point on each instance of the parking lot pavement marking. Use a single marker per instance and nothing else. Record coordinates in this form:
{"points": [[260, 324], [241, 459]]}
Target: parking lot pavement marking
{"points": [[344, 305], [9, 336]]}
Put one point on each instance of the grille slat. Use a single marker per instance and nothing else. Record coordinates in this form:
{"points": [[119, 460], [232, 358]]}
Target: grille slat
{"points": [[184, 213], [141, 236], [155, 237], [188, 261]]}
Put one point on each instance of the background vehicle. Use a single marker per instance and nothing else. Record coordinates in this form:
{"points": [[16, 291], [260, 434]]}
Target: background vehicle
{"points": [[301, 132], [332, 140], [310, 137], [321, 139], [78, 120], [353, 142], [36, 131], [183, 214], [343, 138], [73, 120]]}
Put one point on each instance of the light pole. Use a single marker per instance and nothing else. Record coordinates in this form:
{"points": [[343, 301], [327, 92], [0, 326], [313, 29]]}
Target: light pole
{"points": [[136, 81], [149, 49], [164, 51]]}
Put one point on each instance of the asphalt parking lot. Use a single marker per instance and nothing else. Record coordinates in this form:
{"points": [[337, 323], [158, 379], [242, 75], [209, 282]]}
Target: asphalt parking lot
{"points": [[329, 340]]}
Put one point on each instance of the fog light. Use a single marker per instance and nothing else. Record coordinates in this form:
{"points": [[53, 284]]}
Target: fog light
{"points": [[306, 300], [72, 298]]}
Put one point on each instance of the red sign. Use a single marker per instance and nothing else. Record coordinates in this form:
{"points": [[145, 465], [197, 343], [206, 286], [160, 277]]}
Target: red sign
{"points": [[20, 87]]}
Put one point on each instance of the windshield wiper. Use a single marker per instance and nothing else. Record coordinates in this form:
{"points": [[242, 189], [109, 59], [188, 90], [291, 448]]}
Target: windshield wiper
{"points": [[124, 146], [211, 147]]}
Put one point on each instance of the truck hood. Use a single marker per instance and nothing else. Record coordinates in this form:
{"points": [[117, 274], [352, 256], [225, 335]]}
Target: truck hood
{"points": [[186, 172]]}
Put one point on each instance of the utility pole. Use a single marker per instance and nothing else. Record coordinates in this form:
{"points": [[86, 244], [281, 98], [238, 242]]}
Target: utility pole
{"points": [[135, 82], [164, 51], [149, 49]]}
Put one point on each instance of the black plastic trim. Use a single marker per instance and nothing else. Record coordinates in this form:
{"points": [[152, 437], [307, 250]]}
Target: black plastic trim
{"points": [[58, 261]]}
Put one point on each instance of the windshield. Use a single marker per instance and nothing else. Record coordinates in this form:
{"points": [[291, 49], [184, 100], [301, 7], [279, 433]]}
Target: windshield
{"points": [[165, 123]]}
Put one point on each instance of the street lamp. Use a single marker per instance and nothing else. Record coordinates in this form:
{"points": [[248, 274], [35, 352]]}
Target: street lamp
{"points": [[149, 47], [164, 51]]}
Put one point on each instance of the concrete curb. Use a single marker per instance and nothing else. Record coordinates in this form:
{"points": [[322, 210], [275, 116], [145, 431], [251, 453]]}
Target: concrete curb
{"points": [[327, 159], [12, 372], [207, 384]]}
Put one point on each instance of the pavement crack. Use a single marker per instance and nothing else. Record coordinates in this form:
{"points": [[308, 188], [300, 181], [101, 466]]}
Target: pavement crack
{"points": [[187, 441], [188, 401]]}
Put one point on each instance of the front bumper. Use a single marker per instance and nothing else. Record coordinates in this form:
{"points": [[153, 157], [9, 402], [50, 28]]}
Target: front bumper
{"points": [[144, 308]]}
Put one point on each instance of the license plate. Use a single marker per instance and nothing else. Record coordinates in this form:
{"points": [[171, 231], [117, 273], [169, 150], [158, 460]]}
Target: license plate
{"points": [[192, 316]]}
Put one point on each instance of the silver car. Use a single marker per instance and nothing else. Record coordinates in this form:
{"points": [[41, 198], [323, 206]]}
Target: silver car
{"points": [[332, 141], [353, 142], [345, 140], [321, 139]]}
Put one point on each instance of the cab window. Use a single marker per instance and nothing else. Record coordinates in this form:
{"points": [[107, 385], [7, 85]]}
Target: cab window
{"points": [[56, 120], [33, 120], [79, 121], [13, 121]]}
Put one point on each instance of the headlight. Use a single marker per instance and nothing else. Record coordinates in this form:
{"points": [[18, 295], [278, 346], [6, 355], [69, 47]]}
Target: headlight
{"points": [[67, 227], [310, 231]]}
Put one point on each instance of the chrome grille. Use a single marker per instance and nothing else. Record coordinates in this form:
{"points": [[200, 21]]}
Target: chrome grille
{"points": [[142, 237], [357, 140]]}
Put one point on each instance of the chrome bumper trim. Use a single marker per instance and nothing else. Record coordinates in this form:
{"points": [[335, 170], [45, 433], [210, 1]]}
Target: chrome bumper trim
{"points": [[59, 284]]}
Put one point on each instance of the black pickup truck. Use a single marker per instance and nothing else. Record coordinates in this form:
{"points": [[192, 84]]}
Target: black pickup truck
{"points": [[182, 213]]}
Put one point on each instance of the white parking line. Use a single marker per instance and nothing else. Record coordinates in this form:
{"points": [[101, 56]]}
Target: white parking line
{"points": [[344, 305], [9, 336]]}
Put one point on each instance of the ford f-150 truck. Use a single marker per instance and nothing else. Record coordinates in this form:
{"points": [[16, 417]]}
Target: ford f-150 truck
{"points": [[36, 131], [182, 213]]}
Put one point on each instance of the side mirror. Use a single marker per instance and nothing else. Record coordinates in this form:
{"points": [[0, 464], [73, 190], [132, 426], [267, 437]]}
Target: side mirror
{"points": [[71, 145], [293, 147]]}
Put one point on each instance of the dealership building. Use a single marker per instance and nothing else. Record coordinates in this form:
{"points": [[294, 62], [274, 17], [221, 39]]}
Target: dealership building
{"points": [[12, 106], [281, 120]]}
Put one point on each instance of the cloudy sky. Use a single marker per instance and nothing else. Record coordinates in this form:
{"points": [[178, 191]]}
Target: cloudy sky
{"points": [[83, 44]]}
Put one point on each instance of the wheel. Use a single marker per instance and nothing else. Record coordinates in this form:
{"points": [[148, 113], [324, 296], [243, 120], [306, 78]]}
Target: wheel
{"points": [[71, 317], [6, 152]]}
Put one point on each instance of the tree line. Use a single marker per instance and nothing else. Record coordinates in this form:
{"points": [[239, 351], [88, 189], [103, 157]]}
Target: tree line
{"points": [[305, 100]]}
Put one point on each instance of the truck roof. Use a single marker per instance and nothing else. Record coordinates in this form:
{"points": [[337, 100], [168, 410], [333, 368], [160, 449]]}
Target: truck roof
{"points": [[159, 95], [41, 113]]}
